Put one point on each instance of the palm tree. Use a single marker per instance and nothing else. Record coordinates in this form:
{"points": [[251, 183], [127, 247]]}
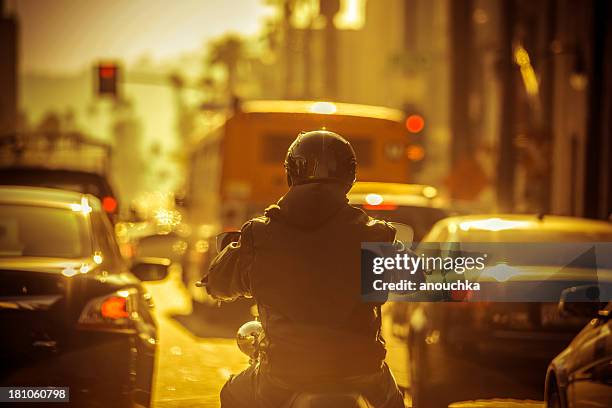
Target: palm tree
{"points": [[228, 51]]}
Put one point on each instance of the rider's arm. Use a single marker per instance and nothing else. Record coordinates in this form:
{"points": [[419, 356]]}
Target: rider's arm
{"points": [[228, 276]]}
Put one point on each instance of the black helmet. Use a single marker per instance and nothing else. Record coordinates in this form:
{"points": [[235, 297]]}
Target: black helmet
{"points": [[320, 156]]}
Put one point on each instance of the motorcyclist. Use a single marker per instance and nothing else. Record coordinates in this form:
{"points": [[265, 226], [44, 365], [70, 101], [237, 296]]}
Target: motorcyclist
{"points": [[301, 263]]}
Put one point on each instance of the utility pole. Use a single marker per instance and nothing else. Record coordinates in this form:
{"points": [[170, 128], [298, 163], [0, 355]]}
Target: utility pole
{"points": [[289, 52], [507, 151], [8, 72], [461, 51], [597, 178], [329, 8], [307, 61]]}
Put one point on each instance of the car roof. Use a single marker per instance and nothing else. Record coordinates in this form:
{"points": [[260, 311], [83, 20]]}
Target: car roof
{"points": [[367, 187], [321, 107], [35, 169], [45, 197], [418, 195], [498, 222]]}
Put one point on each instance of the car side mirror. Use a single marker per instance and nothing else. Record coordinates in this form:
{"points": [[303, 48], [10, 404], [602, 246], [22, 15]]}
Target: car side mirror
{"points": [[581, 301], [150, 268], [226, 238]]}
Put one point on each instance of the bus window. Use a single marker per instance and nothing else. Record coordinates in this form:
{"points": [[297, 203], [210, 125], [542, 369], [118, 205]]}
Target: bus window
{"points": [[363, 151], [274, 148]]}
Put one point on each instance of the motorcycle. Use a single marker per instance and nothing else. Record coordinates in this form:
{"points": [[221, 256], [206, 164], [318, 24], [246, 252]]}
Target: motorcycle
{"points": [[251, 341]]}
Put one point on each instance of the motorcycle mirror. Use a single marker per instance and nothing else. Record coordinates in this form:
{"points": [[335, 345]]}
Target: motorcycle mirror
{"points": [[403, 233], [226, 238], [248, 337]]}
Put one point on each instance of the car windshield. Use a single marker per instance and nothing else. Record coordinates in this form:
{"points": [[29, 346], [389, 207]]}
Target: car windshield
{"points": [[43, 232]]}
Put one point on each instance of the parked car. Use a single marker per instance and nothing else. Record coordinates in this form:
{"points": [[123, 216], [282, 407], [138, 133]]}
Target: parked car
{"points": [[581, 375], [71, 311], [73, 180], [416, 205], [471, 350]]}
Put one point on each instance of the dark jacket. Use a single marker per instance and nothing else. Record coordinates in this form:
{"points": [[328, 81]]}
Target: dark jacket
{"points": [[301, 263]]}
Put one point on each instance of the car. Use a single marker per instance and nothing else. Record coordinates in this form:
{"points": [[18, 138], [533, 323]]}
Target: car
{"points": [[199, 252], [416, 205], [581, 375], [473, 350], [73, 180], [199, 249], [72, 312]]}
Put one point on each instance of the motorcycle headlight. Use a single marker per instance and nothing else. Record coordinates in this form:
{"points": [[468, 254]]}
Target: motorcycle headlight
{"points": [[113, 312]]}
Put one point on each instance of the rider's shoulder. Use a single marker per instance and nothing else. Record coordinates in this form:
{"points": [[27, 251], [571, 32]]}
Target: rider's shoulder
{"points": [[255, 225], [382, 230]]}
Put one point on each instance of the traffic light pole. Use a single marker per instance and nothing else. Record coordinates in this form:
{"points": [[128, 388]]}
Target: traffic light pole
{"points": [[506, 157]]}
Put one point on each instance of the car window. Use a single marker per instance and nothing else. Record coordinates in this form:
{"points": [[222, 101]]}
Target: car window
{"points": [[43, 232], [105, 238]]}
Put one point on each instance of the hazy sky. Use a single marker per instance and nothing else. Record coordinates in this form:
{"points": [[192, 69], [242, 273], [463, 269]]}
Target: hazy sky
{"points": [[67, 35]]}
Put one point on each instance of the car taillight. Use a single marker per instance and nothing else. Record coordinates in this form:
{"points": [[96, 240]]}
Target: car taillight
{"points": [[381, 207], [114, 307], [461, 295], [109, 204], [116, 311]]}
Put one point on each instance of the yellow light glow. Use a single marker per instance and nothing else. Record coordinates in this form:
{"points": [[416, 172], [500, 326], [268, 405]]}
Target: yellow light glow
{"points": [[83, 207], [530, 81], [415, 152], [97, 258], [123, 293], [325, 108], [85, 268], [492, 224], [521, 56], [351, 15], [167, 217], [502, 272], [374, 199], [430, 192], [69, 271]]}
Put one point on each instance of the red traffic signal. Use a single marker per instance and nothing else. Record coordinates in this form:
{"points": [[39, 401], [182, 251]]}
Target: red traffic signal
{"points": [[108, 79], [415, 123]]}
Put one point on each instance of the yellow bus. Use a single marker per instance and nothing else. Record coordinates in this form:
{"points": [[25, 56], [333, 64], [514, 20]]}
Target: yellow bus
{"points": [[236, 169]]}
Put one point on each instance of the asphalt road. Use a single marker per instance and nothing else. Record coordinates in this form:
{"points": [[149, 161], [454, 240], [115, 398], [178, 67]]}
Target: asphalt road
{"points": [[197, 355]]}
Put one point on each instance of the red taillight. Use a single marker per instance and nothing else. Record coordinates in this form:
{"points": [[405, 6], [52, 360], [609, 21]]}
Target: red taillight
{"points": [[382, 207], [461, 295], [114, 308], [109, 204], [107, 71]]}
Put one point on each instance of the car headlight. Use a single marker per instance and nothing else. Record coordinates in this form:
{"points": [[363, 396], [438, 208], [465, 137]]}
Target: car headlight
{"points": [[113, 312]]}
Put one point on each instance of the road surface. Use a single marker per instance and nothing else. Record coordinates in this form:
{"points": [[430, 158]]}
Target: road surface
{"points": [[197, 356]]}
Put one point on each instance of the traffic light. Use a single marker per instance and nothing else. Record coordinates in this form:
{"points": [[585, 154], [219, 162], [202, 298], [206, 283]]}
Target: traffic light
{"points": [[415, 147], [415, 123], [108, 79]]}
